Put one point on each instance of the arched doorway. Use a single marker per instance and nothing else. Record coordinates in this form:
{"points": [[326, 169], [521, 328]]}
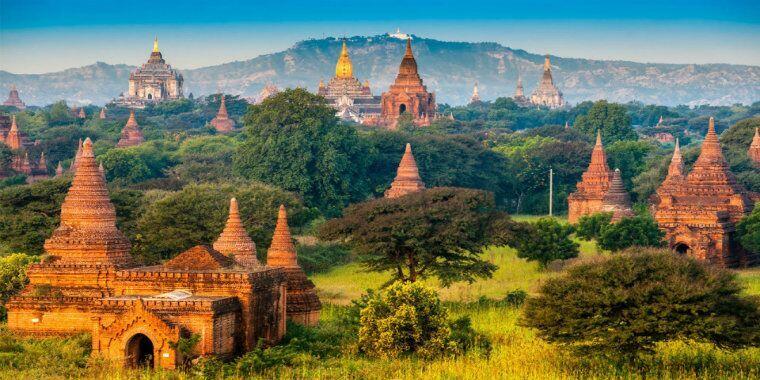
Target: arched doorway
{"points": [[681, 248], [140, 352], [150, 96], [401, 108]]}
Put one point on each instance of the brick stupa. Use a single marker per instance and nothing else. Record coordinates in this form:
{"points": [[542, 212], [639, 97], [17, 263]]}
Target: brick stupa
{"points": [[616, 200], [130, 134], [222, 122], [699, 212], [102, 113], [235, 242], [589, 194], [77, 157], [81, 113], [754, 148], [13, 139], [88, 233], [407, 179], [303, 305]]}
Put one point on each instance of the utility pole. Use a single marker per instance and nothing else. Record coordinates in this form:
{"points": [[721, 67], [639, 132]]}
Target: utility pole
{"points": [[551, 190]]}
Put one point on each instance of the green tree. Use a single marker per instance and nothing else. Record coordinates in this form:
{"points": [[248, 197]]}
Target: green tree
{"points": [[748, 230], [630, 157], [138, 163], [293, 140], [610, 118], [13, 276], [590, 227], [59, 114], [546, 240], [640, 230], [29, 213], [625, 304], [437, 232]]}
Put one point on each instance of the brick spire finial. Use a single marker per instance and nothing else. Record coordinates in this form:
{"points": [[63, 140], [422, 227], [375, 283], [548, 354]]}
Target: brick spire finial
{"points": [[407, 176], [42, 165], [235, 242], [88, 233], [676, 163], [81, 114], [282, 252], [598, 156], [711, 155], [59, 170], [616, 199], [222, 107], [13, 140], [589, 194], [103, 113], [77, 157], [754, 148], [222, 121], [131, 134]]}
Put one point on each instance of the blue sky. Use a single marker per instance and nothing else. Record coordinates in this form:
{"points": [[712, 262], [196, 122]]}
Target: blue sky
{"points": [[41, 35]]}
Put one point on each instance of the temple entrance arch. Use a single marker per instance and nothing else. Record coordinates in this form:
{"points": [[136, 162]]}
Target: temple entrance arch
{"points": [[150, 96], [140, 352], [401, 108], [682, 248]]}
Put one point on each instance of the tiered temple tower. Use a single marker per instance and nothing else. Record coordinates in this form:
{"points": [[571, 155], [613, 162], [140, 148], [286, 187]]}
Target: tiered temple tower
{"points": [[235, 242], [303, 304], [131, 134], [475, 98], [222, 121], [407, 179], [616, 200], [547, 94], [154, 81], [519, 97], [352, 100], [754, 148], [698, 213], [408, 95], [589, 196], [13, 139], [14, 100], [102, 113]]}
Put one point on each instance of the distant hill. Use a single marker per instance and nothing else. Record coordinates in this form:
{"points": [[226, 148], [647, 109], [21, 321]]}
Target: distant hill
{"points": [[448, 68]]}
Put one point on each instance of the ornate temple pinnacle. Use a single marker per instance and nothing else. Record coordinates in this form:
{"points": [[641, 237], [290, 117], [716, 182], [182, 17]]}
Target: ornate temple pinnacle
{"points": [[547, 63], [234, 240], [14, 126], [344, 68], [282, 252], [155, 45], [408, 52], [407, 176]]}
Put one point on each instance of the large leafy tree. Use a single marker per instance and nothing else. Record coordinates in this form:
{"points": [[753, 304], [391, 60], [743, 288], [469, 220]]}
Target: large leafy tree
{"points": [[627, 303], [748, 230], [432, 233], [28, 214], [640, 230], [610, 118], [544, 241], [293, 140]]}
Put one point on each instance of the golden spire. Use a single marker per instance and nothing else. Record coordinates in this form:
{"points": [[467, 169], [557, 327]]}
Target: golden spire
{"points": [[344, 68], [155, 45]]}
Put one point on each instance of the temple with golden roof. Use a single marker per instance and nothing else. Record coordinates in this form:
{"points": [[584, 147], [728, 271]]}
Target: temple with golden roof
{"points": [[407, 179], [596, 193], [698, 211], [408, 94], [547, 94], [131, 135], [137, 315], [222, 122], [352, 100], [154, 81]]}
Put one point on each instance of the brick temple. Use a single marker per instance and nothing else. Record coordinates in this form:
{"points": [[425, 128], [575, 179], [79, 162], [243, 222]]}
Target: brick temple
{"points": [[407, 179], [14, 100], [407, 94], [698, 211], [222, 122], [131, 135], [91, 284], [595, 192]]}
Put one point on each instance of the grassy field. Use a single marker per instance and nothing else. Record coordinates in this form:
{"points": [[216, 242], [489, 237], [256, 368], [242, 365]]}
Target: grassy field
{"points": [[517, 353]]}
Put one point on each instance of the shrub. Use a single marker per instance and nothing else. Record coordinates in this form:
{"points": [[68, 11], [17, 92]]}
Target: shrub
{"points": [[640, 230], [404, 318], [748, 231], [12, 277], [625, 304], [590, 226], [321, 256], [546, 240]]}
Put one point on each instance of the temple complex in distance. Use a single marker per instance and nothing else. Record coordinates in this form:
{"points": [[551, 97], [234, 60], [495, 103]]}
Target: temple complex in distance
{"points": [[407, 95], [222, 122], [754, 149], [407, 176], [136, 315], [352, 100], [154, 81], [599, 191], [14, 100], [698, 211], [131, 134], [519, 97], [17, 141], [547, 94]]}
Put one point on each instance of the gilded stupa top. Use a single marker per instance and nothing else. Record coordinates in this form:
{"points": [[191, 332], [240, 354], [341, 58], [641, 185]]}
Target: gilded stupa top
{"points": [[344, 68]]}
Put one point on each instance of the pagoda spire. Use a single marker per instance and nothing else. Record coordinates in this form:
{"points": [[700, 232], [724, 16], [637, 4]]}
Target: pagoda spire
{"points": [[88, 233], [103, 113], [131, 134], [711, 153], [155, 45], [407, 176], [42, 165], [344, 69], [59, 170], [616, 199], [282, 252], [13, 140], [77, 156], [222, 107], [754, 148], [235, 242], [222, 121], [598, 156], [675, 169], [408, 52]]}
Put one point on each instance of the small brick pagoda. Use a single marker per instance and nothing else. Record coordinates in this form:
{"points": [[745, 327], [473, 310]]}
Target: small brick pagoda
{"points": [[591, 194], [14, 100], [408, 95], [222, 121], [90, 284], [131, 134], [407, 176], [14, 138], [754, 149], [102, 113], [616, 200], [303, 304], [699, 211]]}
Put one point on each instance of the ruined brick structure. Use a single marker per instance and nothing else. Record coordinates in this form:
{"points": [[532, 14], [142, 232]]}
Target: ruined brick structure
{"points": [[90, 283], [591, 194], [407, 176], [699, 211], [131, 134], [222, 122], [407, 95], [754, 149]]}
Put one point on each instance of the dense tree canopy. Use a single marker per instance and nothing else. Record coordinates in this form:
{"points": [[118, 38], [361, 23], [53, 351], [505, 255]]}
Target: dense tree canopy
{"points": [[544, 241], [611, 119]]}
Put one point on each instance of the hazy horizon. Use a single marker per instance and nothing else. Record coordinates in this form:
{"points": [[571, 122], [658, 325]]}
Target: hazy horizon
{"points": [[47, 36]]}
